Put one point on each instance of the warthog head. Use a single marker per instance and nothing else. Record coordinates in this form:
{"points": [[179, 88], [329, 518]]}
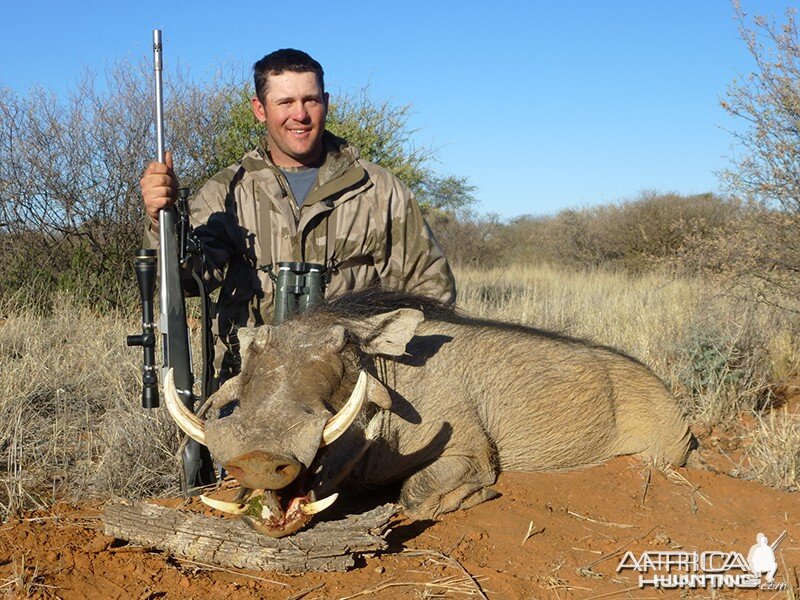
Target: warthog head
{"points": [[305, 404]]}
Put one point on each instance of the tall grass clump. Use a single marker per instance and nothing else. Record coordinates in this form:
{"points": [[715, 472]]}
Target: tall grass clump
{"points": [[773, 453], [71, 422]]}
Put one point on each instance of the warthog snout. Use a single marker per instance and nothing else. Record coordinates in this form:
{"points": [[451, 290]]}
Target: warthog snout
{"points": [[264, 470]]}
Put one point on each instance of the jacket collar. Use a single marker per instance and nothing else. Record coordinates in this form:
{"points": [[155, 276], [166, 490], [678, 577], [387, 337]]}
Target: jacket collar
{"points": [[339, 158], [339, 170]]}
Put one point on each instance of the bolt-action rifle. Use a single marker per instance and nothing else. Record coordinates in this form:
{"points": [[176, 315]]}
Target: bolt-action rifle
{"points": [[176, 250]]}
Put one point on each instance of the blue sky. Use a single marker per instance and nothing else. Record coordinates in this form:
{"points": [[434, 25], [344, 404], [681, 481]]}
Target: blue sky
{"points": [[542, 105]]}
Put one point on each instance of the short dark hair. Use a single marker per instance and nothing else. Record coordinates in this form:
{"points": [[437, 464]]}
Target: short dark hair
{"points": [[286, 59]]}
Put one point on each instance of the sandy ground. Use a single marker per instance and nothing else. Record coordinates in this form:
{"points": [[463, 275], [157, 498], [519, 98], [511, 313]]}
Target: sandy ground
{"points": [[557, 535]]}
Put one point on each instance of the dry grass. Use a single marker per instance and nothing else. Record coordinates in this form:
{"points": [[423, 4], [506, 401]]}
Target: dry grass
{"points": [[784, 355], [25, 581], [71, 423], [72, 426], [773, 454]]}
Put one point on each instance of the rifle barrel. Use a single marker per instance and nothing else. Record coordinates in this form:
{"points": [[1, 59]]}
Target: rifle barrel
{"points": [[158, 67]]}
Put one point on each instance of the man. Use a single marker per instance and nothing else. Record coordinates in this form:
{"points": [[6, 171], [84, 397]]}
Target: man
{"points": [[303, 195]]}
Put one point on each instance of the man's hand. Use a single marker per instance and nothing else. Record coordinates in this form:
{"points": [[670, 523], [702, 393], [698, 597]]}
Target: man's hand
{"points": [[159, 187]]}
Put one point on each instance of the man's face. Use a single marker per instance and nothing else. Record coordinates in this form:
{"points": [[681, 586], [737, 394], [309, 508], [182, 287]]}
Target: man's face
{"points": [[294, 114]]}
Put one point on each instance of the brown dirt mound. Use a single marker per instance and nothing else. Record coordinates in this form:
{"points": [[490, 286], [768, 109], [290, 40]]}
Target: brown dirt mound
{"points": [[557, 535]]}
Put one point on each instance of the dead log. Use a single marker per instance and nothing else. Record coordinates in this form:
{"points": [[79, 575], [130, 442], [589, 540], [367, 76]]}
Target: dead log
{"points": [[326, 546]]}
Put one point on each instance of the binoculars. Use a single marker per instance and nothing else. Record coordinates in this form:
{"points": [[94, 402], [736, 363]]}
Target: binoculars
{"points": [[298, 287]]}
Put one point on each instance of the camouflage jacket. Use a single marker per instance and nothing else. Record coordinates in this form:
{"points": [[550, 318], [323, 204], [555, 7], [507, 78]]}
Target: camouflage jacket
{"points": [[246, 218]]}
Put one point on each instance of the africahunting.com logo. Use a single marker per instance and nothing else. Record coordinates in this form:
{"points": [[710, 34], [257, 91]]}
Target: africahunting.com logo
{"points": [[709, 569]]}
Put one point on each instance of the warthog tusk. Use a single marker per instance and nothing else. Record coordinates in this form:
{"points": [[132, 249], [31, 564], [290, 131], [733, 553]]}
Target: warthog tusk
{"points": [[339, 422], [313, 508], [189, 423], [232, 508]]}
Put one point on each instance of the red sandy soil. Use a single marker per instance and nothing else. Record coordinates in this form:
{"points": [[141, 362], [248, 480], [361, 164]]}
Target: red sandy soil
{"points": [[555, 535]]}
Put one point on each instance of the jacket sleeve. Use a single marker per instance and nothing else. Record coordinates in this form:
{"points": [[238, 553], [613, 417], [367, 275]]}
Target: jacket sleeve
{"points": [[210, 222], [415, 261]]}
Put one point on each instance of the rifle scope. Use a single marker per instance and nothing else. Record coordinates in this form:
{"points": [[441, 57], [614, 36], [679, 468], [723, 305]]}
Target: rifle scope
{"points": [[145, 264]]}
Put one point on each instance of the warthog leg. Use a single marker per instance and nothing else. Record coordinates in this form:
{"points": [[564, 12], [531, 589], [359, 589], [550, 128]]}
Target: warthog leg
{"points": [[448, 484]]}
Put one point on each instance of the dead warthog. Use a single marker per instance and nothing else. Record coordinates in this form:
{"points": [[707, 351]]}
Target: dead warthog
{"points": [[381, 387]]}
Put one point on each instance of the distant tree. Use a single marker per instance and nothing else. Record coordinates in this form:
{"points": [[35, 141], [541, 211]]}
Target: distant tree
{"points": [[69, 175], [767, 102], [380, 131], [763, 254], [240, 134], [451, 194]]}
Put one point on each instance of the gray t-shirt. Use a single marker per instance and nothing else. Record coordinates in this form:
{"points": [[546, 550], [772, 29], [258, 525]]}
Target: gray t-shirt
{"points": [[300, 180]]}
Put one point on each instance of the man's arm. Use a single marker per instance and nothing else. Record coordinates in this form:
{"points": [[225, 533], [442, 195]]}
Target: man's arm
{"points": [[207, 216], [415, 262]]}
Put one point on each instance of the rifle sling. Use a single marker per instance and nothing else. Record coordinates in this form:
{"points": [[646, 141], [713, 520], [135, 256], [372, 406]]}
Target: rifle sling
{"points": [[330, 236], [264, 210]]}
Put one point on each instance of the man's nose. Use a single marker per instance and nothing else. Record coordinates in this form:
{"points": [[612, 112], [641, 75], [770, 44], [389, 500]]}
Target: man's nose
{"points": [[299, 112]]}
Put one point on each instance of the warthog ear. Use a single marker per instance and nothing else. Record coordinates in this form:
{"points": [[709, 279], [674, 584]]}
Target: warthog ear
{"points": [[334, 338], [388, 333], [253, 340], [245, 335]]}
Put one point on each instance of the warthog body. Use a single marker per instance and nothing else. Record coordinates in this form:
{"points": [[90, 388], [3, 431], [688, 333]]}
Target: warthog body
{"points": [[454, 401]]}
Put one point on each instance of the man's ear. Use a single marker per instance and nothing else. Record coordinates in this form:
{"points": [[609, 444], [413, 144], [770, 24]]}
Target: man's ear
{"points": [[258, 109], [388, 333]]}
